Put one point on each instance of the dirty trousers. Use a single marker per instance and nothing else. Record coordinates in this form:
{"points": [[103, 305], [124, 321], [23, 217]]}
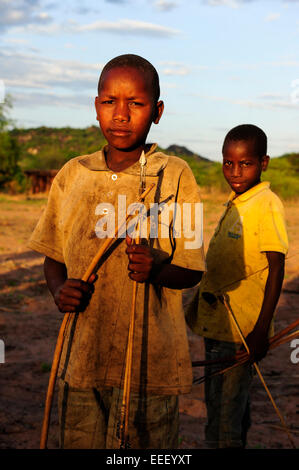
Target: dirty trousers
{"points": [[89, 419], [227, 399]]}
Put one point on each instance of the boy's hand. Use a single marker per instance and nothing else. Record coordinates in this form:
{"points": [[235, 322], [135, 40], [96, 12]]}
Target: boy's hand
{"points": [[140, 261], [258, 344], [74, 295]]}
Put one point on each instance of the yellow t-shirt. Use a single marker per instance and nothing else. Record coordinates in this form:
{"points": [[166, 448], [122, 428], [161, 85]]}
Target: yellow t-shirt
{"points": [[95, 346], [237, 266]]}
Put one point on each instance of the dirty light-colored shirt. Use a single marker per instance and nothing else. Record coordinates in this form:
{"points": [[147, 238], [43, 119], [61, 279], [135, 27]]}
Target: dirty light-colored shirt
{"points": [[84, 191], [252, 224]]}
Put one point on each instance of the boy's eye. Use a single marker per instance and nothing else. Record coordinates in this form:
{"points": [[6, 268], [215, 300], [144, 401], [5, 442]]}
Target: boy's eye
{"points": [[227, 163], [245, 163], [135, 103], [107, 102]]}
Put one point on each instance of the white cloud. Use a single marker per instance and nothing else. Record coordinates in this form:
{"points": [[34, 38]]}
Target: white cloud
{"points": [[122, 26], [272, 17], [174, 68], [237, 3], [176, 71], [21, 12], [35, 72], [178, 68], [125, 26], [165, 5], [228, 3], [34, 81], [284, 63], [43, 16], [254, 66], [271, 96], [168, 85], [254, 103], [37, 99], [16, 41], [267, 105]]}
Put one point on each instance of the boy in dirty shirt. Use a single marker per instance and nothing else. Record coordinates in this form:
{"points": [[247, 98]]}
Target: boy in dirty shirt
{"points": [[86, 198]]}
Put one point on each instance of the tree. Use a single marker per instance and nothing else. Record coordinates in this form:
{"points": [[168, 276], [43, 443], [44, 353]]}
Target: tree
{"points": [[9, 148], [5, 121]]}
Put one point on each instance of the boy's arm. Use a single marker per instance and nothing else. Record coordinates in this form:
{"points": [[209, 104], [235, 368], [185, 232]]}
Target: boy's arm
{"points": [[70, 295], [174, 277], [142, 268], [257, 340]]}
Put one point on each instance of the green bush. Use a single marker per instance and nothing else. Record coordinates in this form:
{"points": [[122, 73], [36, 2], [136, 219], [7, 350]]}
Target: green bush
{"points": [[46, 148], [9, 155], [283, 174]]}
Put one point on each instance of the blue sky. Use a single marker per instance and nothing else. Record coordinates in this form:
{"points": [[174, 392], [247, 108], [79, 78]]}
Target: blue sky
{"points": [[221, 63]]}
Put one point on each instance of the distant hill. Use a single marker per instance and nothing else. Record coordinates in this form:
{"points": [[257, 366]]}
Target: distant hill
{"points": [[47, 148], [181, 150], [206, 172], [50, 148]]}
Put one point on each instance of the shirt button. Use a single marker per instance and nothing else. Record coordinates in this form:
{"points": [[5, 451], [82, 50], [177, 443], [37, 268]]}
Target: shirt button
{"points": [[114, 177]]}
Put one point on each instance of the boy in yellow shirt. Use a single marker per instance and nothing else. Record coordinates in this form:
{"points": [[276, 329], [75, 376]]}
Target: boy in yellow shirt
{"points": [[245, 263]]}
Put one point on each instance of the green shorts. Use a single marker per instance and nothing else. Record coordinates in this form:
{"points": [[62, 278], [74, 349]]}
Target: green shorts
{"points": [[89, 419]]}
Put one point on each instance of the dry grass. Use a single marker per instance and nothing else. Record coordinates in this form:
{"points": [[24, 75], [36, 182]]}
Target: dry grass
{"points": [[29, 324]]}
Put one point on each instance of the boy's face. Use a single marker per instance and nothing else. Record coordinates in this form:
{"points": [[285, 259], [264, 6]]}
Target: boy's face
{"points": [[126, 108], [241, 166]]}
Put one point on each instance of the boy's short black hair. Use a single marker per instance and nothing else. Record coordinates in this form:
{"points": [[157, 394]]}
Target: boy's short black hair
{"points": [[138, 62], [248, 132]]}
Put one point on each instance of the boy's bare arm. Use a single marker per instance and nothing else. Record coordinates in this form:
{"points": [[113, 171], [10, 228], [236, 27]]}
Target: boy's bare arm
{"points": [[70, 295], [174, 277], [142, 268], [257, 340]]}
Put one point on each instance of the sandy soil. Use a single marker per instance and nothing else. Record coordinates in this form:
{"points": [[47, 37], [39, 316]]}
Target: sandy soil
{"points": [[29, 324]]}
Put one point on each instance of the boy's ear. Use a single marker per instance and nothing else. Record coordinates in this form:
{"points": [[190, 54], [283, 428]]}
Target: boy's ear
{"points": [[265, 162], [158, 112], [96, 103]]}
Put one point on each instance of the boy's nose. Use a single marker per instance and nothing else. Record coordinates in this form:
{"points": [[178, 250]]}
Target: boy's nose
{"points": [[121, 112], [236, 170]]}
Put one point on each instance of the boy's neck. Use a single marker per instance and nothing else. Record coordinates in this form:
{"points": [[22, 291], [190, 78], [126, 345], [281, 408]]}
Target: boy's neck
{"points": [[119, 160]]}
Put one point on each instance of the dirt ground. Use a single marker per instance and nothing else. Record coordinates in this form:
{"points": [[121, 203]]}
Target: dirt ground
{"points": [[29, 325]]}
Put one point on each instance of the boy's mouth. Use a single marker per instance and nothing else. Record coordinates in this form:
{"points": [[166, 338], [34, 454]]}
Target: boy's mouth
{"points": [[119, 132], [236, 185]]}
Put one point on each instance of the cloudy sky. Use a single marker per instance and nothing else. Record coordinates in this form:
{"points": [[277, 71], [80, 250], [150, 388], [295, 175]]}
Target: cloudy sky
{"points": [[221, 63]]}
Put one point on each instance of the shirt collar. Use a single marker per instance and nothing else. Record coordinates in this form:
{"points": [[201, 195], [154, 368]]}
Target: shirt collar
{"points": [[248, 194], [156, 161]]}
